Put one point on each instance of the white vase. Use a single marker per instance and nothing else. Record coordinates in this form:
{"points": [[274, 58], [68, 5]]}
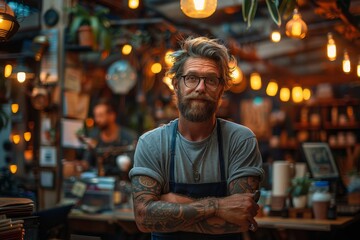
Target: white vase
{"points": [[300, 201]]}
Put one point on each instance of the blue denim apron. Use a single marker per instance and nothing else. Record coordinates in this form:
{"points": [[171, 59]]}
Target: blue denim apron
{"points": [[202, 190]]}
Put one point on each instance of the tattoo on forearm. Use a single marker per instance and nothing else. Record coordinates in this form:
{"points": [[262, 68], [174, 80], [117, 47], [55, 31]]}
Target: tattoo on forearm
{"points": [[244, 185]]}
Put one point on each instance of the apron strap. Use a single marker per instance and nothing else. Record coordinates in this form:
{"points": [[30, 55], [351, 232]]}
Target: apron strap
{"points": [[221, 154], [172, 151]]}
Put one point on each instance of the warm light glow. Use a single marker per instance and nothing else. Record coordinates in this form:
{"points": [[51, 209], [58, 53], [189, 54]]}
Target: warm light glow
{"points": [[14, 108], [237, 75], [331, 48], [168, 59], [296, 27], [346, 63], [297, 94], [8, 22], [275, 36], [168, 82], [28, 155], [13, 168], [89, 122], [255, 81], [284, 94], [306, 94], [16, 138], [126, 49], [272, 88], [7, 70], [133, 4], [27, 136], [156, 68], [358, 68], [21, 77], [198, 8]]}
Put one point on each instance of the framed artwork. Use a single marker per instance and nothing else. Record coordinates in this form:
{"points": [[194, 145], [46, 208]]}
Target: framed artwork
{"points": [[320, 160], [47, 179], [47, 156]]}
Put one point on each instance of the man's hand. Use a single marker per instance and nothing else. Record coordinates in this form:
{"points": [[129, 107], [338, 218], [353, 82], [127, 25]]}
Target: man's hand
{"points": [[239, 209]]}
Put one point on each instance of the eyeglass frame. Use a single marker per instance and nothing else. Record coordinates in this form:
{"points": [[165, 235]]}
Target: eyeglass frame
{"points": [[199, 79]]}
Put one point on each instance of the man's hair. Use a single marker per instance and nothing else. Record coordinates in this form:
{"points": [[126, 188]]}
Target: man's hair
{"points": [[203, 47], [108, 103]]}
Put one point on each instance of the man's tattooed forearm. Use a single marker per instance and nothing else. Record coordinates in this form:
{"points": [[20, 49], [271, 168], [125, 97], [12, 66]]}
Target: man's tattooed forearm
{"points": [[244, 185]]}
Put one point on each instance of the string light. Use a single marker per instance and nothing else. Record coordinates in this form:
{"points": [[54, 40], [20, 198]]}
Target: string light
{"points": [[198, 8], [16, 138], [133, 4], [346, 63], [358, 68], [27, 136], [255, 81], [275, 36], [14, 108], [272, 88], [13, 168], [7, 70], [297, 94], [156, 68], [284, 94], [331, 48], [237, 75], [306, 94], [126, 49], [168, 59]]}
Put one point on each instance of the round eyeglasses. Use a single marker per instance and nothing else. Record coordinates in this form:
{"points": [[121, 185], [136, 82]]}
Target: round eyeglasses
{"points": [[192, 81]]}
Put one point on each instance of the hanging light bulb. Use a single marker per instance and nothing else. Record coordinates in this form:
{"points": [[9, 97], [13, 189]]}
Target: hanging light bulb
{"points": [[296, 27], [16, 138], [272, 88], [346, 63], [358, 68], [7, 70], [331, 48], [237, 75], [8, 22], [297, 94], [198, 8], [284, 94], [27, 136], [13, 168], [126, 49], [14, 108], [133, 4], [156, 68], [255, 81], [306, 94], [275, 36]]}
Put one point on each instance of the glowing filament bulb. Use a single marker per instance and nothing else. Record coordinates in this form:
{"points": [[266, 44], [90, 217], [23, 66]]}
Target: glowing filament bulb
{"points": [[346, 63], [331, 48]]}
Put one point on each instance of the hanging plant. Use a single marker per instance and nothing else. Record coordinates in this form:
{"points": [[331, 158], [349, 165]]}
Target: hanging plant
{"points": [[276, 10]]}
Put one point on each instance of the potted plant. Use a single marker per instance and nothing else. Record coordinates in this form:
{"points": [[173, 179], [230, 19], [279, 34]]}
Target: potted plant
{"points": [[90, 27], [299, 190]]}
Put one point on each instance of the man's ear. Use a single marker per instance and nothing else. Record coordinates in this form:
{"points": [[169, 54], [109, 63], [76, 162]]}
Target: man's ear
{"points": [[175, 83]]}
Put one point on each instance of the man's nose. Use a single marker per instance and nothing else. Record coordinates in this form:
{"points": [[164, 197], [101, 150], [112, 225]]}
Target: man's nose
{"points": [[201, 86]]}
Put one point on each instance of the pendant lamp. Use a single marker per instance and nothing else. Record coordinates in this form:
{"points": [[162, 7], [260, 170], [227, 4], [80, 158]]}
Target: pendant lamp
{"points": [[8, 23], [198, 8], [296, 27]]}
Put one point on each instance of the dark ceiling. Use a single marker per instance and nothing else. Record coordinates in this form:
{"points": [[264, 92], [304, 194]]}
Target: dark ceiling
{"points": [[289, 61]]}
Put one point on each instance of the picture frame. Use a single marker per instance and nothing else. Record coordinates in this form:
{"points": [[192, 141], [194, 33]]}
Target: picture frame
{"points": [[47, 179], [320, 160], [47, 156]]}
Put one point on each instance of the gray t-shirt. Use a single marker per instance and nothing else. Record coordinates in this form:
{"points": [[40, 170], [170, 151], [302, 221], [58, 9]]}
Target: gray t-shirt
{"points": [[240, 149]]}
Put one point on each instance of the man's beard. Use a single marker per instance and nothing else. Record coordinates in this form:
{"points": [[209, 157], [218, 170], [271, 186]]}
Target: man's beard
{"points": [[196, 112]]}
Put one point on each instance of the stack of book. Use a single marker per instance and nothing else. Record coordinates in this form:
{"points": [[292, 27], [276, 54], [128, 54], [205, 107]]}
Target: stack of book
{"points": [[12, 212]]}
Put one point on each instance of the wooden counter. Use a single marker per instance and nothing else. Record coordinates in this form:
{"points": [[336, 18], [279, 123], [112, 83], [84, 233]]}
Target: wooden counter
{"points": [[303, 224]]}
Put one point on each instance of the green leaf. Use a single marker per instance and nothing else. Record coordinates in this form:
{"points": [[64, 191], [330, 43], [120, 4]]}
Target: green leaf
{"points": [[273, 10], [246, 9], [75, 24], [95, 26], [286, 8], [252, 12]]}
